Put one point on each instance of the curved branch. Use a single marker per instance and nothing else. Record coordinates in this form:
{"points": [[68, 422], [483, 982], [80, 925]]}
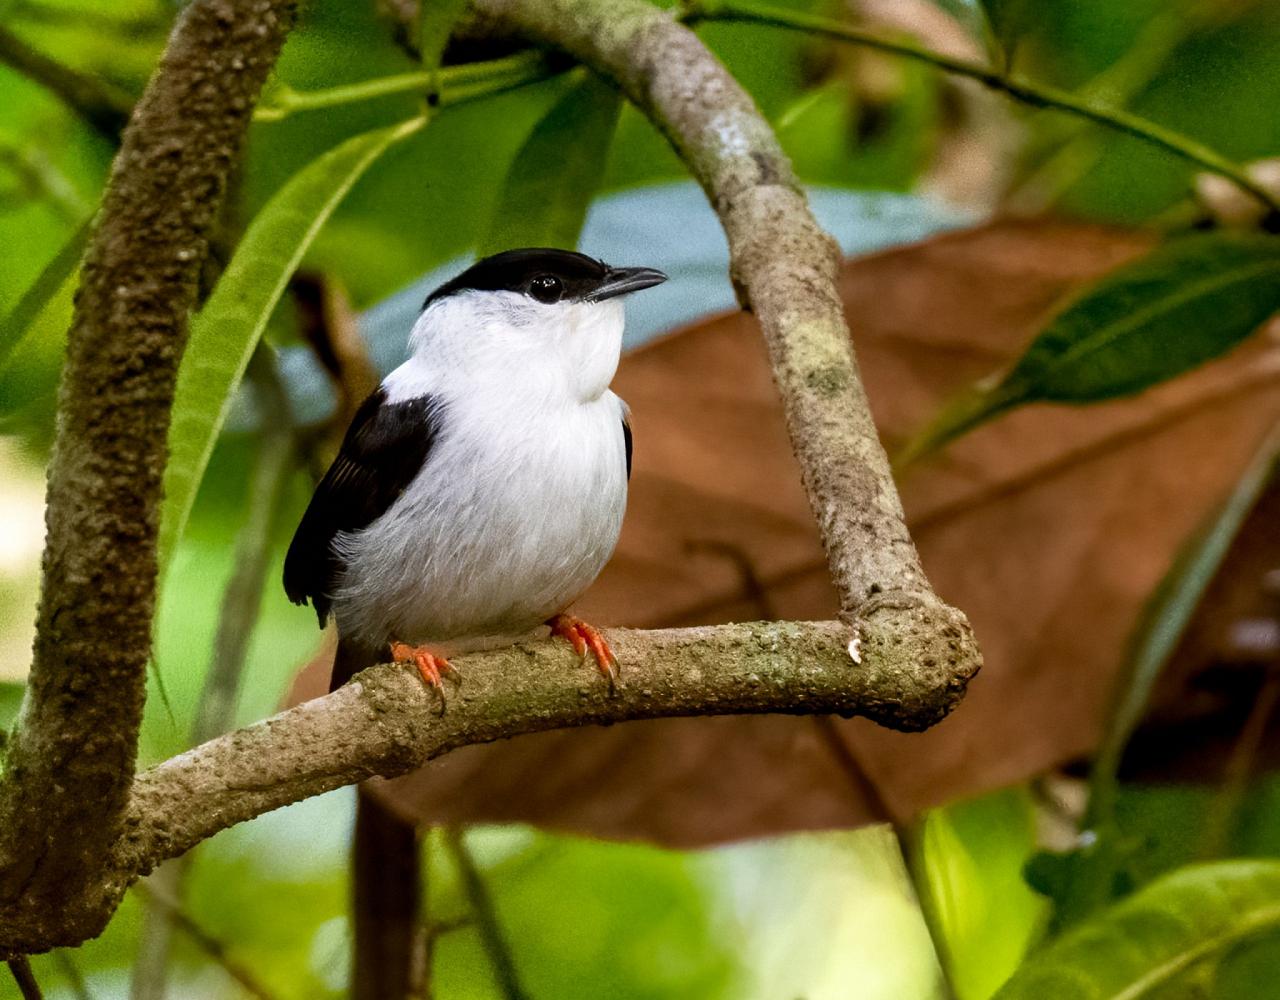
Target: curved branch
{"points": [[784, 267], [70, 763], [385, 722]]}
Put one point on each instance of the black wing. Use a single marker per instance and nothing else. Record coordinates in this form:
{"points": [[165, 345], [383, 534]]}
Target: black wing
{"points": [[385, 448], [626, 439]]}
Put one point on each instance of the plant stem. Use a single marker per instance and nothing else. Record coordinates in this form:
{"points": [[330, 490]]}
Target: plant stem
{"points": [[207, 943], [104, 107], [453, 85], [486, 917], [1036, 95], [25, 978]]}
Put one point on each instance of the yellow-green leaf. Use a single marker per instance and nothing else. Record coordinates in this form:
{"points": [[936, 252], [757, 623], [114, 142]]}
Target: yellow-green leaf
{"points": [[1178, 927]]}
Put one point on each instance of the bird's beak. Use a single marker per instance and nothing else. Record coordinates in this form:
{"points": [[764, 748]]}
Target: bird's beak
{"points": [[621, 280]]}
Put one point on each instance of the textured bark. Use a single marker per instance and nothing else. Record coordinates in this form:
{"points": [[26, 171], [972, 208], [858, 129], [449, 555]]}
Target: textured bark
{"points": [[385, 722], [784, 267], [70, 762], [72, 833]]}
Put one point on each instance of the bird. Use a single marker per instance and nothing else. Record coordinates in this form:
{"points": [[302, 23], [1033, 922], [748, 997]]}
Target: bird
{"points": [[480, 489]]}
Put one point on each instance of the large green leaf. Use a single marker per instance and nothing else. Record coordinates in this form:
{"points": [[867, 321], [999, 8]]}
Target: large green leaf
{"points": [[557, 171], [1178, 927], [1184, 304], [225, 332]]}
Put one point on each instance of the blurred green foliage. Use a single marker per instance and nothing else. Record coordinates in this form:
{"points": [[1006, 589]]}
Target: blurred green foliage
{"points": [[588, 919]]}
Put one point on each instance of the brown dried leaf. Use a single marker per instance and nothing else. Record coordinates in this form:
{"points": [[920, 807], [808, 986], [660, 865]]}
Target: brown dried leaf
{"points": [[1049, 528]]}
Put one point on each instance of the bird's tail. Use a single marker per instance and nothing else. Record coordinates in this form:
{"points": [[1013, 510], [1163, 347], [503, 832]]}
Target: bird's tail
{"points": [[351, 658]]}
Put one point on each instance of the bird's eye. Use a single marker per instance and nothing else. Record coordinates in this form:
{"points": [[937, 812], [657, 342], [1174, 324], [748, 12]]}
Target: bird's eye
{"points": [[546, 288]]}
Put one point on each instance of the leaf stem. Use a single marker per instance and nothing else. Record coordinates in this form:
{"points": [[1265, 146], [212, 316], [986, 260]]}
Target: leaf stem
{"points": [[486, 916], [25, 978], [1029, 92], [452, 85], [103, 106]]}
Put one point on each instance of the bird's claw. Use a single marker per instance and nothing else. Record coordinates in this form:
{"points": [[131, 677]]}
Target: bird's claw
{"points": [[586, 637], [431, 667]]}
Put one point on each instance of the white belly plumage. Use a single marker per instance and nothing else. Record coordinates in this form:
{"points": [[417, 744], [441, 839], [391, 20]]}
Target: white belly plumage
{"points": [[520, 527]]}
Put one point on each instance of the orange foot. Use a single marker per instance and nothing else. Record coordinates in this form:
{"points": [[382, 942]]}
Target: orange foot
{"points": [[584, 636], [430, 666]]}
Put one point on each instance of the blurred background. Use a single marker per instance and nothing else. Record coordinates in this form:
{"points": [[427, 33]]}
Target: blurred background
{"points": [[1114, 541]]}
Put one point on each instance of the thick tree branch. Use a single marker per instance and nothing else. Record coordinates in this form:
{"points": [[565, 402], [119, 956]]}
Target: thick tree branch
{"points": [[70, 762], [785, 268], [385, 722], [911, 654]]}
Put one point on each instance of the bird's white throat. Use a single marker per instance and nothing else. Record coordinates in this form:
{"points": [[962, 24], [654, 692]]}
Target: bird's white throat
{"points": [[505, 345]]}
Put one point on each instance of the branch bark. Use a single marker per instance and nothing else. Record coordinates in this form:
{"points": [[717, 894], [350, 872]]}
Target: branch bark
{"points": [[70, 763], [385, 722], [784, 267], [906, 666]]}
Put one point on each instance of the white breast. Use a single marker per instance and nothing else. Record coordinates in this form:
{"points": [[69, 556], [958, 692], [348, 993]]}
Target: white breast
{"points": [[494, 536]]}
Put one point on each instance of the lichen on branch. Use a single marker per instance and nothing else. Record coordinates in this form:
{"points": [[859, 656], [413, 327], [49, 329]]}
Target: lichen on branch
{"points": [[76, 827], [70, 762]]}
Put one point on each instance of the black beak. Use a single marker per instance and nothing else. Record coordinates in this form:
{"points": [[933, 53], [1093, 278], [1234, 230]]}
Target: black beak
{"points": [[621, 280]]}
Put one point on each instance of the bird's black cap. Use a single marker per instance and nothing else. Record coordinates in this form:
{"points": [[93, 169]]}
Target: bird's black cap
{"points": [[549, 275]]}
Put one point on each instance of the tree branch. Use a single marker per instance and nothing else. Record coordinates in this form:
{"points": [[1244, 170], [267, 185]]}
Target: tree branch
{"points": [[70, 762], [784, 267], [906, 666], [386, 722]]}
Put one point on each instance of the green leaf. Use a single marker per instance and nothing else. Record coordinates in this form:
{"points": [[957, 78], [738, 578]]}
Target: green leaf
{"points": [[1186, 303], [436, 19], [1007, 20], [557, 171], [972, 854], [1180, 926], [225, 332], [47, 284], [1099, 871]]}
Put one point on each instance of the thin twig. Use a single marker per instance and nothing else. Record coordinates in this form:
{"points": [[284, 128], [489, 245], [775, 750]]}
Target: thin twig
{"points": [[25, 978], [103, 106], [486, 917], [1225, 812], [1029, 92], [448, 86], [206, 942]]}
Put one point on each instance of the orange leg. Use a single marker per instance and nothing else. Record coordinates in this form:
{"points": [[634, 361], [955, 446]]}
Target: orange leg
{"points": [[430, 666], [584, 637]]}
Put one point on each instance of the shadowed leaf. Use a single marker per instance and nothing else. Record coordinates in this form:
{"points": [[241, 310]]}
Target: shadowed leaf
{"points": [[225, 332], [1188, 302], [557, 171], [1157, 938]]}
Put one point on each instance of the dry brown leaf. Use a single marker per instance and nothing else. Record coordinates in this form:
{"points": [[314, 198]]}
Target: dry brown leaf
{"points": [[1049, 527]]}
